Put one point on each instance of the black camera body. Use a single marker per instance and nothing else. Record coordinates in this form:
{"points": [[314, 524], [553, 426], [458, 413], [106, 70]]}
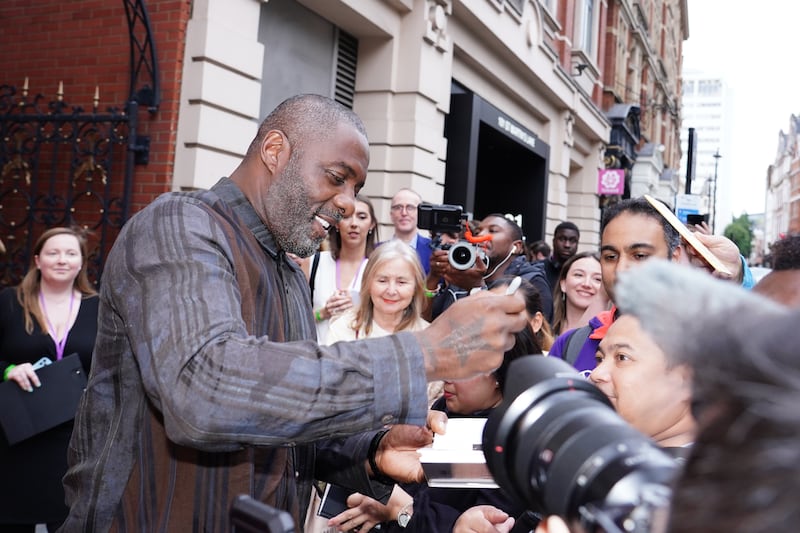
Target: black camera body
{"points": [[557, 446], [442, 218], [252, 516], [445, 218]]}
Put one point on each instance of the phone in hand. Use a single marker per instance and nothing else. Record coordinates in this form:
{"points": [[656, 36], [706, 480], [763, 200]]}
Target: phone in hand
{"points": [[334, 501], [44, 361], [696, 218]]}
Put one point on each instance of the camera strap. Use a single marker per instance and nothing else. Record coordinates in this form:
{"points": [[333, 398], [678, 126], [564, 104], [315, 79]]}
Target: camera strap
{"points": [[312, 276], [574, 343]]}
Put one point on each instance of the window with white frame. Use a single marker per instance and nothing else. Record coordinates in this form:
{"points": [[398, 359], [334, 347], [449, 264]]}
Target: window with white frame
{"points": [[585, 24]]}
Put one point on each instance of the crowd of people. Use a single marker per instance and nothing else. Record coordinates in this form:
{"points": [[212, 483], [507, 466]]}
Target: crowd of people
{"points": [[227, 354]]}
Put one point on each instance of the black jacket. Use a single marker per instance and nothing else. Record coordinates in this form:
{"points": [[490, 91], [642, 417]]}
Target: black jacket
{"points": [[533, 272]]}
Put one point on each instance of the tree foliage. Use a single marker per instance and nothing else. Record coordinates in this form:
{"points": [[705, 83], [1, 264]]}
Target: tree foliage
{"points": [[740, 231]]}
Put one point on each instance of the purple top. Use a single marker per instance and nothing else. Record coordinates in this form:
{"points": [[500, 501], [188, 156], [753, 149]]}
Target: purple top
{"points": [[585, 362]]}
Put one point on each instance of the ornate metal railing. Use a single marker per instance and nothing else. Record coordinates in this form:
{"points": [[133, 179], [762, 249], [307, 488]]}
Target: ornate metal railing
{"points": [[61, 165]]}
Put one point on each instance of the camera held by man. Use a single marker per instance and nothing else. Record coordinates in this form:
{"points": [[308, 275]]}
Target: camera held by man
{"points": [[557, 446], [445, 218]]}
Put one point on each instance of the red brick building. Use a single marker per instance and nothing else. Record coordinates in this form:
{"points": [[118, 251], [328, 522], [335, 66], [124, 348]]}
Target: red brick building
{"points": [[93, 54]]}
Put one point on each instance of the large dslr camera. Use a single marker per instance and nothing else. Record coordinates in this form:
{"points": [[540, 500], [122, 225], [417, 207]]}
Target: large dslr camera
{"points": [[556, 445], [446, 218]]}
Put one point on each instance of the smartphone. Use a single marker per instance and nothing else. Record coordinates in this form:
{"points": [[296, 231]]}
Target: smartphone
{"points": [[688, 236], [334, 501], [41, 363], [251, 516], [694, 218]]}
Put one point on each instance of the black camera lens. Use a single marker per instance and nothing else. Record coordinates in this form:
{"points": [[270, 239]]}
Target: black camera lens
{"points": [[461, 255], [556, 444]]}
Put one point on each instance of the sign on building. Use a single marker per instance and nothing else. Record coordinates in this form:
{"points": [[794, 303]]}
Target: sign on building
{"points": [[610, 181]]}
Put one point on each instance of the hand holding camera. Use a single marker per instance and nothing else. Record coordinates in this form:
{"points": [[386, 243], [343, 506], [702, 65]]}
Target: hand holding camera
{"points": [[451, 219]]}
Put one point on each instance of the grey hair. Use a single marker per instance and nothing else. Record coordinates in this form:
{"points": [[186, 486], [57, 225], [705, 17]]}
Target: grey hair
{"points": [[691, 315], [742, 473]]}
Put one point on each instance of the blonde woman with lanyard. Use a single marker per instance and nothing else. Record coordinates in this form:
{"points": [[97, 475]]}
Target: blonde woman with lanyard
{"points": [[52, 313], [335, 275]]}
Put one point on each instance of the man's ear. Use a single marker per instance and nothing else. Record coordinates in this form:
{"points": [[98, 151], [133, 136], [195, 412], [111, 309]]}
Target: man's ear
{"points": [[275, 150], [518, 247], [678, 253]]}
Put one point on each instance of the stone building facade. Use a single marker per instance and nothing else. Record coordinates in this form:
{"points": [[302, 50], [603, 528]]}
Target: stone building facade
{"points": [[496, 105]]}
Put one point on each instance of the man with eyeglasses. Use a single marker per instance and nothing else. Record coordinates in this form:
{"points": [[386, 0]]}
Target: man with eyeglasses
{"points": [[404, 218]]}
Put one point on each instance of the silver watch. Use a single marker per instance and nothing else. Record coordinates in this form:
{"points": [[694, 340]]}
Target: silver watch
{"points": [[404, 516]]}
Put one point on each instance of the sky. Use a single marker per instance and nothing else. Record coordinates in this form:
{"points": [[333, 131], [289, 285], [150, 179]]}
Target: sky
{"points": [[753, 46]]}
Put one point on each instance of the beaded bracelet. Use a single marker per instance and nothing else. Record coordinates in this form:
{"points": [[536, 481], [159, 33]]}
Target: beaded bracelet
{"points": [[318, 315], [9, 368]]}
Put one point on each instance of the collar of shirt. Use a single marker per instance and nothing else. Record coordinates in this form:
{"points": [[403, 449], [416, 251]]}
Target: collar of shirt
{"points": [[232, 195], [606, 318], [413, 242]]}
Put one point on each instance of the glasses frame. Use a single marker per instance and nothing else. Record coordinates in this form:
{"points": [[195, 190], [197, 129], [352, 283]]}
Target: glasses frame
{"points": [[408, 208]]}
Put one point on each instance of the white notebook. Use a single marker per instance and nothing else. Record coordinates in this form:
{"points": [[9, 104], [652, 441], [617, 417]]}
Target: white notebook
{"points": [[456, 459]]}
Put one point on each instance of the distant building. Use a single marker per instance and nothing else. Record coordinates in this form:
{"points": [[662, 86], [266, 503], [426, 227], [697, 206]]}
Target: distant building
{"points": [[782, 214], [707, 107], [641, 93]]}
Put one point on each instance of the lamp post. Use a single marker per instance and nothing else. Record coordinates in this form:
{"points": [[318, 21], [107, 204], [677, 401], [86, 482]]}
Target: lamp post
{"points": [[714, 218]]}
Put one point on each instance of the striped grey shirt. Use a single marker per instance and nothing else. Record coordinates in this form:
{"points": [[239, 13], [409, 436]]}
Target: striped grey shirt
{"points": [[204, 382]]}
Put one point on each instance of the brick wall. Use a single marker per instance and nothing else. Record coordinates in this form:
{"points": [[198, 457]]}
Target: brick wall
{"points": [[85, 44]]}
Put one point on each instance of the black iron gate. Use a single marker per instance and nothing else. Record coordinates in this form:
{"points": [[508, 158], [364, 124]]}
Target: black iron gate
{"points": [[61, 165]]}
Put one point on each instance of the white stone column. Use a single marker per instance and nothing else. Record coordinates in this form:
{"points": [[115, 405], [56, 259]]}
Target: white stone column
{"points": [[220, 91], [403, 95]]}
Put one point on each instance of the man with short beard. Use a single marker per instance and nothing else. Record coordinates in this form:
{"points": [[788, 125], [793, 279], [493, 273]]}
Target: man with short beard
{"points": [[206, 382]]}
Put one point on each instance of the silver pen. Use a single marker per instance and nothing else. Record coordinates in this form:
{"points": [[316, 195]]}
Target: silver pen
{"points": [[513, 286]]}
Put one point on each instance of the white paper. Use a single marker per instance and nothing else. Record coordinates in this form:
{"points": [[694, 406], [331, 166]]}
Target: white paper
{"points": [[456, 459]]}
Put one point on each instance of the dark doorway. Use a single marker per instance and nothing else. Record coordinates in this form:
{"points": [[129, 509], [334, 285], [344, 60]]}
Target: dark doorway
{"points": [[494, 165], [509, 181]]}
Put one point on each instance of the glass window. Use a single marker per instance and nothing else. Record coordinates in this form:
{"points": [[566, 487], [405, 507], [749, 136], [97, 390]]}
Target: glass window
{"points": [[584, 27]]}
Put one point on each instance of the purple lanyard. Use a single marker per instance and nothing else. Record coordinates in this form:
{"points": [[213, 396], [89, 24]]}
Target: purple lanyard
{"points": [[60, 343]]}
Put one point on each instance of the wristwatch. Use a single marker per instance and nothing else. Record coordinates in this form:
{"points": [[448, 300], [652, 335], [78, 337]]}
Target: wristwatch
{"points": [[405, 514]]}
